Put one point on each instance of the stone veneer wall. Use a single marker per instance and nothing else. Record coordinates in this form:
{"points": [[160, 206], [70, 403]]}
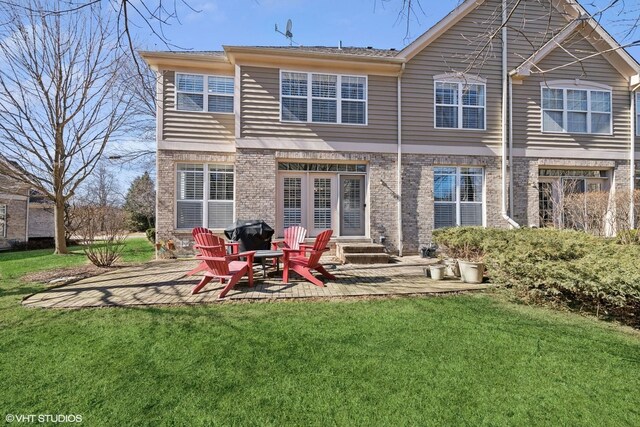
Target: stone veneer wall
{"points": [[525, 179], [417, 190], [166, 176], [256, 188]]}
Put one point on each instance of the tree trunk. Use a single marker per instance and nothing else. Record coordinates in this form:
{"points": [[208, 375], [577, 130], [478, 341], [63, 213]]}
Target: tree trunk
{"points": [[61, 242]]}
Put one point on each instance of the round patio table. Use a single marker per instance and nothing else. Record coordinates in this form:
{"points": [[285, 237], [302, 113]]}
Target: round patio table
{"points": [[263, 256]]}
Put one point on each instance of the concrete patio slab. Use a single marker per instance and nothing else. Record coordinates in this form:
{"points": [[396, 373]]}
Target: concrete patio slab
{"points": [[164, 282]]}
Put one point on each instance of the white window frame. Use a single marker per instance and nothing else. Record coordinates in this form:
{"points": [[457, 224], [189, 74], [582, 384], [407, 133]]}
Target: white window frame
{"points": [[458, 201], [338, 98], [3, 220], [205, 93], [461, 80], [205, 200], [576, 84]]}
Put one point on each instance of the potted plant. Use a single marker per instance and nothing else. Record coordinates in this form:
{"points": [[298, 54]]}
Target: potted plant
{"points": [[437, 271], [471, 265], [451, 267]]}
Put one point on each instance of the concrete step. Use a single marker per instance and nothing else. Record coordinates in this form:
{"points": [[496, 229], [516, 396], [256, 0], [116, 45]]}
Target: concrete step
{"points": [[375, 258], [361, 248]]}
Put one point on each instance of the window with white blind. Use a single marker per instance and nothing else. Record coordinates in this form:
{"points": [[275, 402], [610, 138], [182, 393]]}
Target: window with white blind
{"points": [[204, 195], [460, 103], [3, 221], [458, 196], [576, 110], [197, 92], [323, 98]]}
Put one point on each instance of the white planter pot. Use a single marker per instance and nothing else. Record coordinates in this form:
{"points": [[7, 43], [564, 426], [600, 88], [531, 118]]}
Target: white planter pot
{"points": [[471, 272], [451, 268], [437, 272]]}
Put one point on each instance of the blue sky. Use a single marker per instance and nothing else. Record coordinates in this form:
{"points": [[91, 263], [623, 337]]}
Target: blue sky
{"points": [[355, 22]]}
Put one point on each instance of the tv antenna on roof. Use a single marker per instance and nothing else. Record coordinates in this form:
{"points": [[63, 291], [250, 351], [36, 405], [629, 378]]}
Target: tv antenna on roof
{"points": [[287, 33]]}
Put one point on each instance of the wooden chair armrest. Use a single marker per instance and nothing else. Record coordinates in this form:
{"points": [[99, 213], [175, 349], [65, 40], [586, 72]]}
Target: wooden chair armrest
{"points": [[234, 247], [248, 254], [211, 258], [275, 244]]}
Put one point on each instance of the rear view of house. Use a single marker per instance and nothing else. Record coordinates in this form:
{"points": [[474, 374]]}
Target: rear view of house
{"points": [[387, 145]]}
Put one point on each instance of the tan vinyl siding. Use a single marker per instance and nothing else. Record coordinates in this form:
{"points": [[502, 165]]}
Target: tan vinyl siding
{"points": [[189, 125], [454, 51], [530, 27], [527, 102], [260, 107]]}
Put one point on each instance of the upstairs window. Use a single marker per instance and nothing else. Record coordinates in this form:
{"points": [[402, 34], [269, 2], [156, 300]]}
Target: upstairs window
{"points": [[196, 92], [460, 102], [323, 98], [576, 110]]}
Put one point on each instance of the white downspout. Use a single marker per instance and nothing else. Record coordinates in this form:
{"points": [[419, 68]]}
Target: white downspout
{"points": [[632, 161], [26, 225], [399, 162], [505, 82]]}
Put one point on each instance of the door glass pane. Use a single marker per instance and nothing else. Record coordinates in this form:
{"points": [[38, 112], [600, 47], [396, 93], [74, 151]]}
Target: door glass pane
{"points": [[545, 197], [322, 203], [352, 203], [292, 201]]}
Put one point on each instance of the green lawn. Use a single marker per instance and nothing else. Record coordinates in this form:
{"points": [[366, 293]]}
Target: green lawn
{"points": [[460, 360]]}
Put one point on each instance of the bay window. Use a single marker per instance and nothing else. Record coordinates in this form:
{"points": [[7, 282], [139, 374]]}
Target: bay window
{"points": [[204, 195], [460, 103], [196, 92], [576, 110], [458, 196], [323, 98]]}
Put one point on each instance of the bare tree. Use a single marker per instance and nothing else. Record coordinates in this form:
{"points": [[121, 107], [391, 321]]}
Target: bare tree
{"points": [[102, 187], [63, 98]]}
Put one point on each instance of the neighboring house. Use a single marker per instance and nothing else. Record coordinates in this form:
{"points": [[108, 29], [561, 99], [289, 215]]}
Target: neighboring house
{"points": [[24, 214], [388, 145]]}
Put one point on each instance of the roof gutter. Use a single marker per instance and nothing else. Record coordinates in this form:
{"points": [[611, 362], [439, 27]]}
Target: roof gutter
{"points": [[399, 163], [506, 137]]}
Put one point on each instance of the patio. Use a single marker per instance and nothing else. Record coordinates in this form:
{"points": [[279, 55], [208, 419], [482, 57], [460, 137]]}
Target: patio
{"points": [[164, 282]]}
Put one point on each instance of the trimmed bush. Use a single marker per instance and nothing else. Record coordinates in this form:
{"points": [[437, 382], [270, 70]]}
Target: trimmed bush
{"points": [[151, 234], [561, 266]]}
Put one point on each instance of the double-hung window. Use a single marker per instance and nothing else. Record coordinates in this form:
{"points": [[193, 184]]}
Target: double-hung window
{"points": [[323, 98], [576, 110], [204, 195], [458, 196], [3, 221], [196, 92], [460, 102]]}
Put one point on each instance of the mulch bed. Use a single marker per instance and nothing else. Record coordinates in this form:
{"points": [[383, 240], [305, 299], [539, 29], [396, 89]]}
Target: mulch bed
{"points": [[77, 273]]}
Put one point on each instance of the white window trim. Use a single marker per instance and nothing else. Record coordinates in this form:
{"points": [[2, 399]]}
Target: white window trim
{"points": [[338, 98], [461, 80], [637, 118], [3, 220], [205, 194], [457, 202], [576, 84], [204, 93]]}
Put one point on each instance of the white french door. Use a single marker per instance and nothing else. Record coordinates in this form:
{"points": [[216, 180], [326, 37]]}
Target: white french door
{"points": [[309, 200]]}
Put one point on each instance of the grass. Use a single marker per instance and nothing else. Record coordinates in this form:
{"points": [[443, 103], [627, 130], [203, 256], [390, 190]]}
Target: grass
{"points": [[463, 360]]}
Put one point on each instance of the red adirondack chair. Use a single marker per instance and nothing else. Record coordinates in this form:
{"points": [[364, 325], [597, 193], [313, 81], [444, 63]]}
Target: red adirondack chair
{"points": [[220, 265], [293, 237], [201, 230], [297, 260]]}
